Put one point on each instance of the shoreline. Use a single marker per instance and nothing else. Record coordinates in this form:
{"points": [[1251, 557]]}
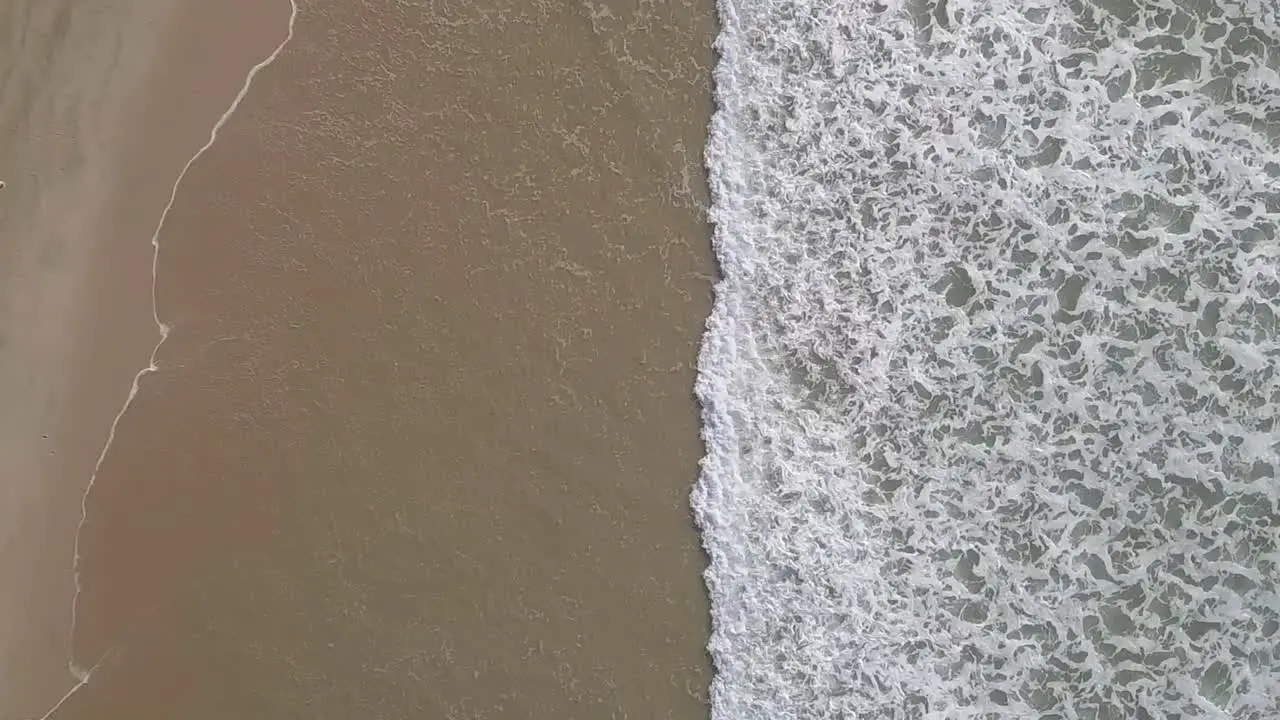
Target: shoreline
{"points": [[136, 137], [424, 434], [162, 328]]}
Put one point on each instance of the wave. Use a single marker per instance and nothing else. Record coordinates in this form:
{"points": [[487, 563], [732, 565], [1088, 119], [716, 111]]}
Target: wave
{"points": [[989, 387]]}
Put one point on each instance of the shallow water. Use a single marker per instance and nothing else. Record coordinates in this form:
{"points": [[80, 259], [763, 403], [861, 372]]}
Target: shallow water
{"points": [[419, 442], [989, 387]]}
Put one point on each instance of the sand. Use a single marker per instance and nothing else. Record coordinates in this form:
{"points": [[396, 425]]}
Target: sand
{"points": [[421, 439], [103, 103]]}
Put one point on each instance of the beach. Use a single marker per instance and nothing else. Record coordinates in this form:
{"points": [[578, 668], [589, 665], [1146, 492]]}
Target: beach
{"points": [[437, 416], [102, 104], [420, 438]]}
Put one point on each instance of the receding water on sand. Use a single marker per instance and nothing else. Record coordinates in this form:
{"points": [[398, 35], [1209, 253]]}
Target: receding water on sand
{"points": [[420, 438]]}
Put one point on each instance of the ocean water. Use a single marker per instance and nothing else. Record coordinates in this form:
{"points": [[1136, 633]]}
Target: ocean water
{"points": [[989, 390]]}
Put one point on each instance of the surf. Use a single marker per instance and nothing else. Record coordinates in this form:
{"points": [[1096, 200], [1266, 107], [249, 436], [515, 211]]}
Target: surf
{"points": [[987, 388]]}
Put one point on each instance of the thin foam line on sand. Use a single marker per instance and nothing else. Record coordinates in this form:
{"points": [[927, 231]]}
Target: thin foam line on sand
{"points": [[83, 675]]}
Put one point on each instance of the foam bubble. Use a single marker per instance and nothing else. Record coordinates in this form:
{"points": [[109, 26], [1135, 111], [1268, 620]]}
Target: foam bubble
{"points": [[990, 384]]}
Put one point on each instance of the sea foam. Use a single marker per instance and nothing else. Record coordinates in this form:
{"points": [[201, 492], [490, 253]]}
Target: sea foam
{"points": [[989, 388]]}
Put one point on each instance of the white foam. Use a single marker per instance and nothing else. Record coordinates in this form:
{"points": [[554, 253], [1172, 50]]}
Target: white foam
{"points": [[79, 672], [989, 387]]}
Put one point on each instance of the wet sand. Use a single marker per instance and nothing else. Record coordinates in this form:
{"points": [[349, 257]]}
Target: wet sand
{"points": [[422, 436], [101, 104]]}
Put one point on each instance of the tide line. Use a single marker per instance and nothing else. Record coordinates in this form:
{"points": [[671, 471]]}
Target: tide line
{"points": [[83, 675]]}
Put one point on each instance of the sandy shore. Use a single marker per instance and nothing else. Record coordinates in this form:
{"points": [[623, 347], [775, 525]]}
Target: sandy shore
{"points": [[423, 434], [103, 104]]}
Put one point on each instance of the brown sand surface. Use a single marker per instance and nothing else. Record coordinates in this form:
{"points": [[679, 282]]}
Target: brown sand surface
{"points": [[422, 437], [101, 105]]}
